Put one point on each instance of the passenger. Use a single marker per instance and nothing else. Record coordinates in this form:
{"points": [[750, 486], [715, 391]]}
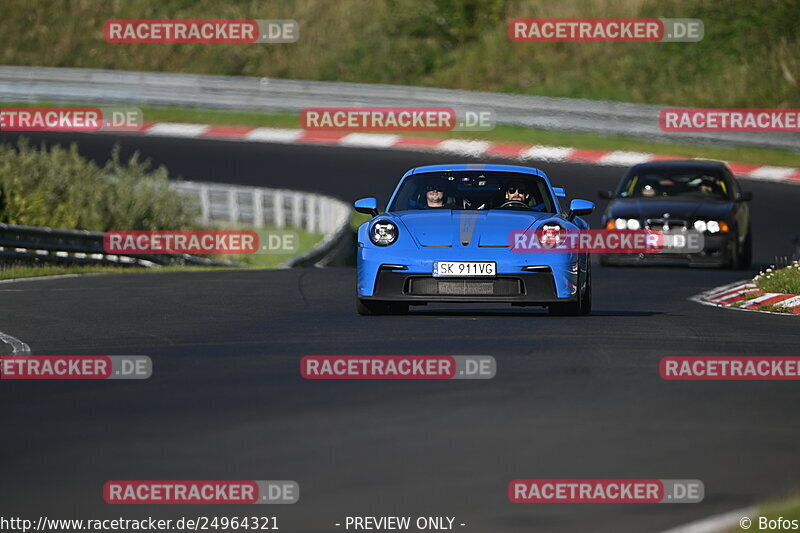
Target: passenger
{"points": [[648, 191]]}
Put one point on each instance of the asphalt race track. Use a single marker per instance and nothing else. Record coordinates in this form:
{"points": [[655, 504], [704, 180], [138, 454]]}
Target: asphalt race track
{"points": [[574, 397]]}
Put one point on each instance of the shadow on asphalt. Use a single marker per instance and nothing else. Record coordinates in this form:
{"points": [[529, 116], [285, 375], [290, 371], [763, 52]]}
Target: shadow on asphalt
{"points": [[528, 314]]}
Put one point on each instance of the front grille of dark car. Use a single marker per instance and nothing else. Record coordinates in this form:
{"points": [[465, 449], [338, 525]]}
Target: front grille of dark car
{"points": [[464, 287], [658, 224]]}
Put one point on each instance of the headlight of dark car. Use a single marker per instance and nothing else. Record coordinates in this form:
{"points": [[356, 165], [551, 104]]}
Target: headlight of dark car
{"points": [[383, 233], [624, 223], [711, 226]]}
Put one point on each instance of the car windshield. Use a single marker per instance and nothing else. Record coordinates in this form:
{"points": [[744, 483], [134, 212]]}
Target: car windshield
{"points": [[473, 190], [659, 184]]}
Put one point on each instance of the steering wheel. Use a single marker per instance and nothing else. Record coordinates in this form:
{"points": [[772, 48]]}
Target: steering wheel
{"points": [[514, 203]]}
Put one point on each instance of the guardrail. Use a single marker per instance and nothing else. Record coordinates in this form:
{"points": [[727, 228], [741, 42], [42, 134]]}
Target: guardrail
{"points": [[217, 204], [49, 245], [258, 207], [73, 85]]}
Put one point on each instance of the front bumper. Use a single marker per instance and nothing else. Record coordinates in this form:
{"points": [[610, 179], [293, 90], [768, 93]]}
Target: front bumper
{"points": [[396, 274], [524, 289], [717, 252]]}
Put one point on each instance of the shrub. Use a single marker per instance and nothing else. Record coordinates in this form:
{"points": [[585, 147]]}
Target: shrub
{"points": [[56, 187]]}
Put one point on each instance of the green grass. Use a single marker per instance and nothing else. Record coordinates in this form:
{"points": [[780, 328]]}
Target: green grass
{"points": [[749, 57], [19, 271], [784, 280], [502, 133], [307, 240], [357, 219], [22, 271], [787, 508], [772, 308]]}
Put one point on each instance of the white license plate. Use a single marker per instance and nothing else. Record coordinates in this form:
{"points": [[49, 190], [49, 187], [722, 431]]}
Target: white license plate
{"points": [[443, 269]]}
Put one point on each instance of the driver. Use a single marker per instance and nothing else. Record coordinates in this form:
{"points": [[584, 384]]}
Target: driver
{"points": [[709, 186], [517, 191], [434, 196]]}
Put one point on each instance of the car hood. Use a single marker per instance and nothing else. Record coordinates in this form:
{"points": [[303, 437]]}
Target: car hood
{"points": [[453, 228], [681, 209]]}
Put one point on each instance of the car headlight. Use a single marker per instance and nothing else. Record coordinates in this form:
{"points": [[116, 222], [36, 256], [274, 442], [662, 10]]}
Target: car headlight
{"points": [[621, 223], [712, 226], [552, 235], [383, 233], [633, 223]]}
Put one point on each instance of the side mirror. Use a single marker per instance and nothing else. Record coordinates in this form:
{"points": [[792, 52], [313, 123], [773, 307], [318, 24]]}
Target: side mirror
{"points": [[605, 194], [745, 196], [579, 207], [368, 206]]}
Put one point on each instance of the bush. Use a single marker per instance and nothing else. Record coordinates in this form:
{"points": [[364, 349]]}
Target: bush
{"points": [[56, 187]]}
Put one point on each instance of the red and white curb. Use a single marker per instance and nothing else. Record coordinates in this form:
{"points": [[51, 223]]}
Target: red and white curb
{"points": [[463, 147], [745, 296]]}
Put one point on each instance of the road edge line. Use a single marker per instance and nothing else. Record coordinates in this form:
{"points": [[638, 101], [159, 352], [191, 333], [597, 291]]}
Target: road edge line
{"points": [[715, 523], [17, 346]]}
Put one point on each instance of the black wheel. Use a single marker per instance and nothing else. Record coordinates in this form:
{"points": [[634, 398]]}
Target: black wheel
{"points": [[583, 305], [744, 255], [377, 307], [586, 304]]}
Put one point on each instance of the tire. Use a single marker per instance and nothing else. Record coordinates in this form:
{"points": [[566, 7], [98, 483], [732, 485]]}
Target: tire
{"points": [[586, 303], [733, 264], [583, 305], [377, 307], [744, 256]]}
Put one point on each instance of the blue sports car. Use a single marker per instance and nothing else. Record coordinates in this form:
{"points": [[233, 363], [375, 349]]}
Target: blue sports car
{"points": [[445, 237]]}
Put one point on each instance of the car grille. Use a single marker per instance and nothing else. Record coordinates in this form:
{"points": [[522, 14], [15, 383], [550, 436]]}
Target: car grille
{"points": [[464, 287], [659, 223]]}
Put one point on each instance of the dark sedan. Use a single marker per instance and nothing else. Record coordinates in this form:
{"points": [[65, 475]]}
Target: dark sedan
{"points": [[682, 196]]}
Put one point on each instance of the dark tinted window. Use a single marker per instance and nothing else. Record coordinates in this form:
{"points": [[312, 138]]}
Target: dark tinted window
{"points": [[467, 190], [697, 183]]}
